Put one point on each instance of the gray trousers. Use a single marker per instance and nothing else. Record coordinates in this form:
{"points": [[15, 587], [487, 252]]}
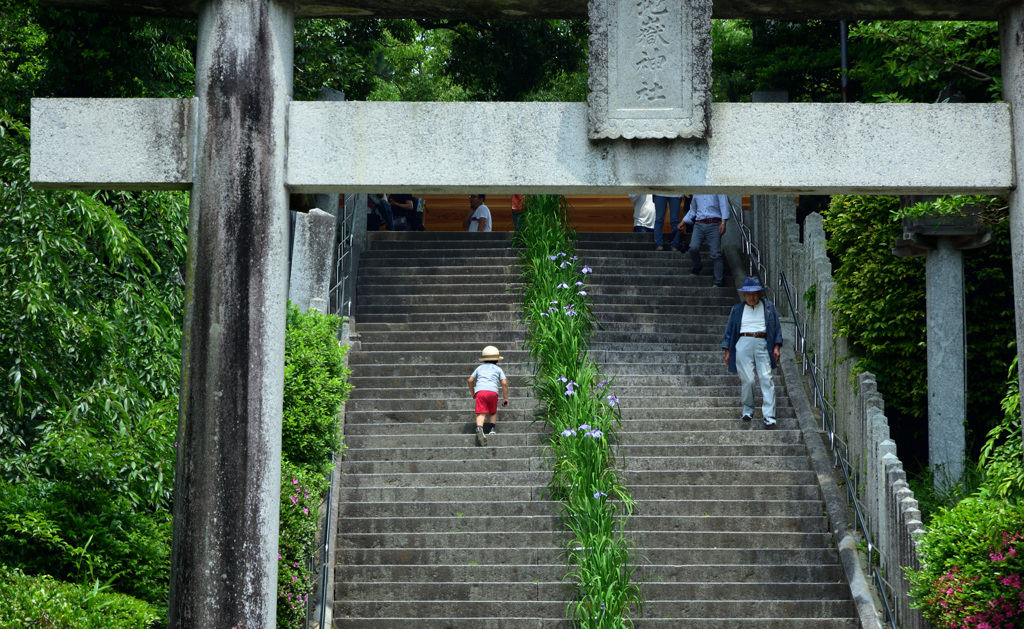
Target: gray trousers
{"points": [[708, 232]]}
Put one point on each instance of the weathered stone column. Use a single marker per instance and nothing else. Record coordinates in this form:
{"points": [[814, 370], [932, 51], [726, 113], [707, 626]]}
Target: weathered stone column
{"points": [[1011, 36], [947, 385], [312, 255], [227, 484]]}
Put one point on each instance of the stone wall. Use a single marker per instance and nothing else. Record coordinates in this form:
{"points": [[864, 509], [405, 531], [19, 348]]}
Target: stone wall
{"points": [[861, 428]]}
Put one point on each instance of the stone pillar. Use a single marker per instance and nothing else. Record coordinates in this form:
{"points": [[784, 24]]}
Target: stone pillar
{"points": [[227, 483], [310, 278], [1011, 36], [947, 404]]}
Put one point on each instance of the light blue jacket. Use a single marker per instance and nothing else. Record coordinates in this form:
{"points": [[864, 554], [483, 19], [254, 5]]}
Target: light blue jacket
{"points": [[771, 325]]}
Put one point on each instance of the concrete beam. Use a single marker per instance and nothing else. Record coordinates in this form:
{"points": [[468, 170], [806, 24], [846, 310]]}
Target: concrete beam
{"points": [[112, 143], [499, 9], [756, 148], [765, 148]]}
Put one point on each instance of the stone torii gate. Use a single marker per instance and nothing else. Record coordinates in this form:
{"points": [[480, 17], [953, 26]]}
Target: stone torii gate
{"points": [[230, 147]]}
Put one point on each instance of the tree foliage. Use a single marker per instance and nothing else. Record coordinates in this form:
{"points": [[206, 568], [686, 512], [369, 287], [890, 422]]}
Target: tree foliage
{"points": [[799, 57], [880, 306], [915, 61]]}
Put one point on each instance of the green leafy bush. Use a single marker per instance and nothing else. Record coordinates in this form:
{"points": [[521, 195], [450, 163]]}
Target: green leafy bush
{"points": [[300, 499], [315, 386], [973, 574], [879, 304], [1001, 455], [27, 601]]}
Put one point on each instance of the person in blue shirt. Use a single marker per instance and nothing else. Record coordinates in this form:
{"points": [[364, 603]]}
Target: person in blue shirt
{"points": [[708, 215], [752, 342]]}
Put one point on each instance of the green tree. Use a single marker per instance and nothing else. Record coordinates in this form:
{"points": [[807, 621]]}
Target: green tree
{"points": [[916, 61]]}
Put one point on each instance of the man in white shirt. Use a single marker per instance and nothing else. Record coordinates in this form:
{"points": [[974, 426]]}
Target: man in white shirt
{"points": [[479, 217], [643, 213], [752, 342]]}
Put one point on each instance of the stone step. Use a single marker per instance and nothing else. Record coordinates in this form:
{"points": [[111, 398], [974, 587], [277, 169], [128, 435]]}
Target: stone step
{"points": [[455, 493], [628, 405], [745, 623], [481, 315], [380, 275], [629, 453], [436, 357], [643, 539], [520, 622], [751, 507], [743, 573], [705, 418], [454, 388], [467, 508], [759, 462], [499, 525], [489, 480], [470, 300], [669, 557], [458, 326], [428, 311], [441, 573], [470, 288], [454, 609]]}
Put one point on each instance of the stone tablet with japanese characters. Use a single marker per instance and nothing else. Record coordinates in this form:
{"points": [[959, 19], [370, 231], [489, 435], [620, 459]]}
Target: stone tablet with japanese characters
{"points": [[650, 69]]}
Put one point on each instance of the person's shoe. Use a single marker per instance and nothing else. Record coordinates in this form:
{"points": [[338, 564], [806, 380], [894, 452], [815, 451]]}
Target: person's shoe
{"points": [[492, 431], [481, 438], [718, 284], [659, 248], [696, 270], [746, 417], [675, 249], [769, 422]]}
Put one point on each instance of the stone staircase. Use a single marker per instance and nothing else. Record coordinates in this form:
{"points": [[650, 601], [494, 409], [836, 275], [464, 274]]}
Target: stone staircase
{"points": [[436, 532], [729, 523]]}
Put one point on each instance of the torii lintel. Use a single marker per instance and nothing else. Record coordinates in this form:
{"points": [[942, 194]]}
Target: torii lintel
{"points": [[568, 9]]}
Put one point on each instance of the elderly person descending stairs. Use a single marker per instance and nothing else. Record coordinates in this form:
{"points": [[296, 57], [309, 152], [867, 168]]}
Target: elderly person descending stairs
{"points": [[753, 338]]}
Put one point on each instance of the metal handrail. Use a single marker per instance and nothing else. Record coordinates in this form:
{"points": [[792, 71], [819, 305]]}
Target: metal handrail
{"points": [[320, 601], [842, 463], [840, 454]]}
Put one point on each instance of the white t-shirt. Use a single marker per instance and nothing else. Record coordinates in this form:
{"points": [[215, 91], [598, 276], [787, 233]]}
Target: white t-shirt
{"points": [[481, 212], [753, 318], [643, 210], [488, 377]]}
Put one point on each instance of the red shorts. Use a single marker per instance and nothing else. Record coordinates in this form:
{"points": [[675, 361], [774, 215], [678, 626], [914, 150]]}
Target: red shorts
{"points": [[486, 402]]}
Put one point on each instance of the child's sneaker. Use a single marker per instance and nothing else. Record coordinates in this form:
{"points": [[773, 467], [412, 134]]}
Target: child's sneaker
{"points": [[481, 438], [492, 431]]}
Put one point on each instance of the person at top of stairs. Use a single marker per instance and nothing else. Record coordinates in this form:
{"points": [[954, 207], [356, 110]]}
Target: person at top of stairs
{"points": [[483, 386], [753, 338]]}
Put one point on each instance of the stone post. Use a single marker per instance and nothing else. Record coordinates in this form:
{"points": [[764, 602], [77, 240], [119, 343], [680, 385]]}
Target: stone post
{"points": [[947, 390], [227, 482], [1011, 36], [311, 260]]}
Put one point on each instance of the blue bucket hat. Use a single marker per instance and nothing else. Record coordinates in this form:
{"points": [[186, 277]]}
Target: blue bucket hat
{"points": [[752, 285]]}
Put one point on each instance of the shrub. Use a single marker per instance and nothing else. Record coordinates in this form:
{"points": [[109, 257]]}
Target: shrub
{"points": [[973, 574], [300, 499], [1000, 457], [315, 387], [27, 601]]}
